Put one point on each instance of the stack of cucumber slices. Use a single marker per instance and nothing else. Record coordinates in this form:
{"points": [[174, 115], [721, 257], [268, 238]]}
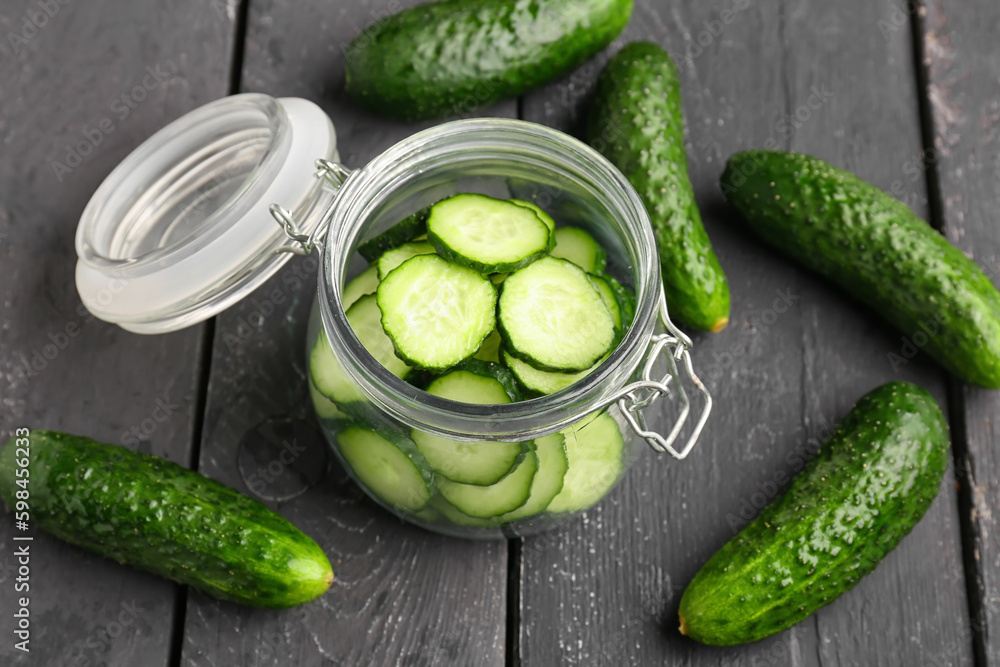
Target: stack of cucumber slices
{"points": [[478, 300]]}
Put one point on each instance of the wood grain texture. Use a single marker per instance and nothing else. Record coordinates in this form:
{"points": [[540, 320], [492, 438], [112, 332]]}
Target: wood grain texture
{"points": [[962, 58], [63, 76], [819, 79], [401, 596]]}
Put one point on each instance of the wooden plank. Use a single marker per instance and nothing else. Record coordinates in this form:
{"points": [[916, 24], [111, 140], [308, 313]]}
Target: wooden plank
{"points": [[64, 74], [605, 591], [962, 61], [402, 596]]}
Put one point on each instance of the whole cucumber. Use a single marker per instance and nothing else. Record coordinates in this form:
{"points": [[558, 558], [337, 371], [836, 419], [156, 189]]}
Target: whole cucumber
{"points": [[447, 58], [878, 250], [160, 517], [868, 486], [637, 122]]}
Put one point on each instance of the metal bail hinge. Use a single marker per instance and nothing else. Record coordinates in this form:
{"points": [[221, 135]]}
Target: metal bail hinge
{"points": [[635, 397], [302, 243]]}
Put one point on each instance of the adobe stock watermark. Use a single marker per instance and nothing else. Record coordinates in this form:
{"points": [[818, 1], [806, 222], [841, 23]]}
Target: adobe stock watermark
{"points": [[34, 20], [914, 169], [363, 36], [910, 345], [896, 20], [271, 643], [293, 279], [163, 410], [698, 44], [121, 106], [777, 652], [759, 324], [259, 480], [795, 460], [31, 363], [101, 641], [613, 650]]}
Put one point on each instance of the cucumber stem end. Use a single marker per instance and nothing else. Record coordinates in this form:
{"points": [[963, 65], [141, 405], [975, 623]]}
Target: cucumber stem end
{"points": [[720, 324]]}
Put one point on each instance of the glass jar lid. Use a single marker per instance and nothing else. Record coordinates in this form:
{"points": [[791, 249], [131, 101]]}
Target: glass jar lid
{"points": [[181, 229]]}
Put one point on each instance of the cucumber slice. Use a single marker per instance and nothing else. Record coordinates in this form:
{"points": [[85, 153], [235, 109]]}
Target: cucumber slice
{"points": [[393, 258], [485, 234], [364, 283], [544, 382], [365, 318], [542, 215], [579, 247], [498, 278], [608, 296], [595, 450], [477, 462], [552, 316], [329, 377], [469, 386], [453, 515], [436, 313], [325, 408], [405, 230], [490, 349], [548, 481], [327, 373], [488, 501], [390, 473], [493, 370], [625, 298]]}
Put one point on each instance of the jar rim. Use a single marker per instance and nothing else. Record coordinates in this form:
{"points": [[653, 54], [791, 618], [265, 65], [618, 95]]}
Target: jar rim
{"points": [[542, 147], [181, 228]]}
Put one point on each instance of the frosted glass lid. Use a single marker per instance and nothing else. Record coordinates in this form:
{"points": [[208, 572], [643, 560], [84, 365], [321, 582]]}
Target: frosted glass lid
{"points": [[181, 229]]}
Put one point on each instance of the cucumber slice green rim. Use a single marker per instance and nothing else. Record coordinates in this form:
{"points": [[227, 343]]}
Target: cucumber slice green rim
{"points": [[329, 377], [389, 472], [451, 514], [405, 230], [543, 216], [493, 370], [595, 450], [486, 234], [363, 284], [552, 317], [625, 298], [435, 312], [365, 318], [393, 258], [544, 382], [608, 295], [324, 407], [579, 247], [477, 462], [490, 349], [489, 501], [611, 303], [548, 480]]}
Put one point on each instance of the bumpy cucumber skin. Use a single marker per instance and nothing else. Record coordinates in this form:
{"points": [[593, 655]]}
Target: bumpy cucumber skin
{"points": [[870, 483], [877, 249], [637, 122], [157, 516], [447, 58]]}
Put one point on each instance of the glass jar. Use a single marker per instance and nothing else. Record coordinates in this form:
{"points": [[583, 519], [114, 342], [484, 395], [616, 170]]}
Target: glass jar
{"points": [[155, 221]]}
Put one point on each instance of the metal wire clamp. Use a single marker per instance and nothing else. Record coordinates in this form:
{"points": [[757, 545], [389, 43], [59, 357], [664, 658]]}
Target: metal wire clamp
{"points": [[302, 243]]}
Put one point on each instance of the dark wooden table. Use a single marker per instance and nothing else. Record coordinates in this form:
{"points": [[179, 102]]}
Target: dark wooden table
{"points": [[906, 96]]}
